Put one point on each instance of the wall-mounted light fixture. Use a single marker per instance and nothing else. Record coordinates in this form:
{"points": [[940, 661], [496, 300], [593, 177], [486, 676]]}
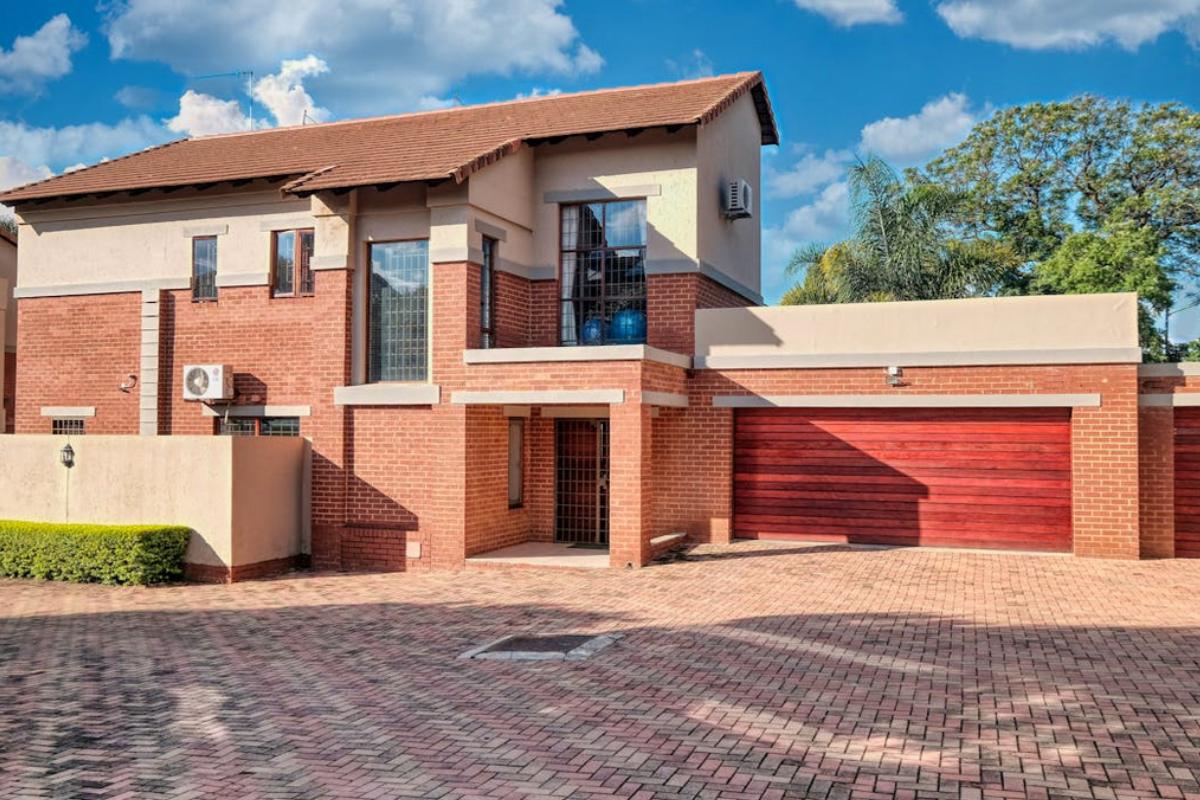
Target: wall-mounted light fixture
{"points": [[895, 376], [67, 456], [127, 385]]}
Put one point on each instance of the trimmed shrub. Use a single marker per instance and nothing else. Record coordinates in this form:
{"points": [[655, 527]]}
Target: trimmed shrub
{"points": [[118, 554]]}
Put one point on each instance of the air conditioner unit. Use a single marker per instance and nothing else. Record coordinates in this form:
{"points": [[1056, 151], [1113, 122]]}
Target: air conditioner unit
{"points": [[207, 382], [739, 200]]}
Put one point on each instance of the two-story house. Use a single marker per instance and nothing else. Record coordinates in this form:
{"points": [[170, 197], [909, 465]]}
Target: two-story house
{"points": [[540, 321], [477, 315]]}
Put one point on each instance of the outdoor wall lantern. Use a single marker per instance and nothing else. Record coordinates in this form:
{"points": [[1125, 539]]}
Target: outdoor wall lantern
{"points": [[67, 454]]}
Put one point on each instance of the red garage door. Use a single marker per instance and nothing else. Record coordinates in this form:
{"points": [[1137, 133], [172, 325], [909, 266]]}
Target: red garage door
{"points": [[1187, 482], [962, 477]]}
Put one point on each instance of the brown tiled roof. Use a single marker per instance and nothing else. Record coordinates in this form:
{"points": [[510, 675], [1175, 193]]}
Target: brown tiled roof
{"points": [[432, 145]]}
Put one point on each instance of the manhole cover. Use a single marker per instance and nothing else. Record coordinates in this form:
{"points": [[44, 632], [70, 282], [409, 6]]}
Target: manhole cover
{"points": [[546, 647]]}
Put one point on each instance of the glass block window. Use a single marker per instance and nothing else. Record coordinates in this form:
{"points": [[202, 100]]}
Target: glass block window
{"points": [[204, 268], [258, 426], [291, 268], [603, 285], [398, 316], [487, 291], [67, 427]]}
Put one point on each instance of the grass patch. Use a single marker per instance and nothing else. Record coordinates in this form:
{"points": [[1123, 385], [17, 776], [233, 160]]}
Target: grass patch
{"points": [[114, 554]]}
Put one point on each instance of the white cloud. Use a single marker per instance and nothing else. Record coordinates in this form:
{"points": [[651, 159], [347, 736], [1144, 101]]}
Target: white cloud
{"points": [[383, 55], [1071, 24], [17, 173], [141, 98], [824, 217], [284, 96], [904, 140], [854, 12], [74, 143], [811, 172], [44, 56], [431, 103], [537, 91], [696, 65], [203, 115]]}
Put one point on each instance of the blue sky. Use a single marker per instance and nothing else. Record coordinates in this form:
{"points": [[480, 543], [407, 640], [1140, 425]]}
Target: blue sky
{"points": [[80, 81]]}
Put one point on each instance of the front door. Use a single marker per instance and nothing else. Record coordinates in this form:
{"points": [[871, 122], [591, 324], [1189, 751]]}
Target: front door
{"points": [[581, 481]]}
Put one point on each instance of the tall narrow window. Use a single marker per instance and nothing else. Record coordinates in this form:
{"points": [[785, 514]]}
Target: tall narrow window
{"points": [[487, 293], [204, 268], [516, 462], [603, 285], [291, 268], [398, 316]]}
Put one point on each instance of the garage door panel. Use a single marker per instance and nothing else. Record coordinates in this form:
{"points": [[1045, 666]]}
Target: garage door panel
{"points": [[1187, 482], [978, 477]]}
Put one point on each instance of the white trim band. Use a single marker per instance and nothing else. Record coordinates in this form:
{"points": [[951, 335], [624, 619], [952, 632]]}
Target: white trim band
{"points": [[1166, 400], [243, 279], [908, 401], [978, 358], [667, 399], [257, 411], [105, 287], [388, 394], [197, 231], [288, 224], [605, 352], [1169, 370], [69, 412], [552, 397]]}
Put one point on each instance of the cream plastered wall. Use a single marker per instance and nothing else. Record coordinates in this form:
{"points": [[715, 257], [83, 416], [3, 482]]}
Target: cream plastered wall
{"points": [[729, 148], [148, 241], [502, 204], [241, 496], [1096, 327], [613, 163]]}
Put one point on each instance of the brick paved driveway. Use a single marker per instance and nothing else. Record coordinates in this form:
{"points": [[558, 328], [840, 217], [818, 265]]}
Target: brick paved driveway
{"points": [[760, 670]]}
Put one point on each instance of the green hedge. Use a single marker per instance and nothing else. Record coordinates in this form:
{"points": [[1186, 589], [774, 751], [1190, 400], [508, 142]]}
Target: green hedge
{"points": [[125, 554]]}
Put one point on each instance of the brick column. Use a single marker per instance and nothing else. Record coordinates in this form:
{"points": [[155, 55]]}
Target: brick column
{"points": [[1104, 470], [631, 481], [1156, 451]]}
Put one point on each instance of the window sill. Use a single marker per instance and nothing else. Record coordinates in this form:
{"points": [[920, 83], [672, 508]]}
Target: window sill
{"points": [[388, 394]]}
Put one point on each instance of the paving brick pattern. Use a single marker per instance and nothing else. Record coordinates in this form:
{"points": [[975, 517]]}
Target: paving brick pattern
{"points": [[749, 671]]}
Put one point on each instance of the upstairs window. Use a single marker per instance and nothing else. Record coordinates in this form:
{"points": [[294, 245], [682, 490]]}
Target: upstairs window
{"points": [[603, 285], [204, 268], [398, 312], [291, 256], [258, 426], [487, 292]]}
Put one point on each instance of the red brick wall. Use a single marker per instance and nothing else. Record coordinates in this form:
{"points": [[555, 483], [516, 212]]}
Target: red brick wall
{"points": [[76, 351], [490, 523], [1104, 440], [1157, 451]]}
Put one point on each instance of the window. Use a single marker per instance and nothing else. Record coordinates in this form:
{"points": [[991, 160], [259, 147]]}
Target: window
{"points": [[516, 462], [398, 315], [487, 291], [291, 271], [258, 426], [603, 285], [66, 427], [204, 268]]}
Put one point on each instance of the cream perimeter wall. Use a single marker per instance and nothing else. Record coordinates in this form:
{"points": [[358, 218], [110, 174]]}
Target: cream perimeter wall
{"points": [[245, 498]]}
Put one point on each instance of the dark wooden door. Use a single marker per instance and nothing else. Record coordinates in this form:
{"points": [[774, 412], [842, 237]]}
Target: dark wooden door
{"points": [[1187, 482], [581, 481], [995, 478]]}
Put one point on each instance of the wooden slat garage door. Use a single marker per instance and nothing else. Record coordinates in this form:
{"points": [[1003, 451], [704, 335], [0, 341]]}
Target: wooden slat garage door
{"points": [[961, 477], [1187, 482]]}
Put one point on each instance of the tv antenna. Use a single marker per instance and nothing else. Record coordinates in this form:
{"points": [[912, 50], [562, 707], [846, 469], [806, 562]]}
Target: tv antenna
{"points": [[241, 73]]}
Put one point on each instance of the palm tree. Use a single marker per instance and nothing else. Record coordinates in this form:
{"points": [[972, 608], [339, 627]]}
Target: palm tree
{"points": [[904, 245]]}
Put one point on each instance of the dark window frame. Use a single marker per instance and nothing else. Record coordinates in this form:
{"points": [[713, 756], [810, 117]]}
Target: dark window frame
{"points": [[58, 426], [366, 317], [303, 283], [518, 423], [603, 299], [200, 291], [487, 293], [255, 423]]}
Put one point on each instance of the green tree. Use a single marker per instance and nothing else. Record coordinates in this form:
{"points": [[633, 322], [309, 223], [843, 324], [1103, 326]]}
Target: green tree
{"points": [[904, 245], [1036, 175], [8, 224]]}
